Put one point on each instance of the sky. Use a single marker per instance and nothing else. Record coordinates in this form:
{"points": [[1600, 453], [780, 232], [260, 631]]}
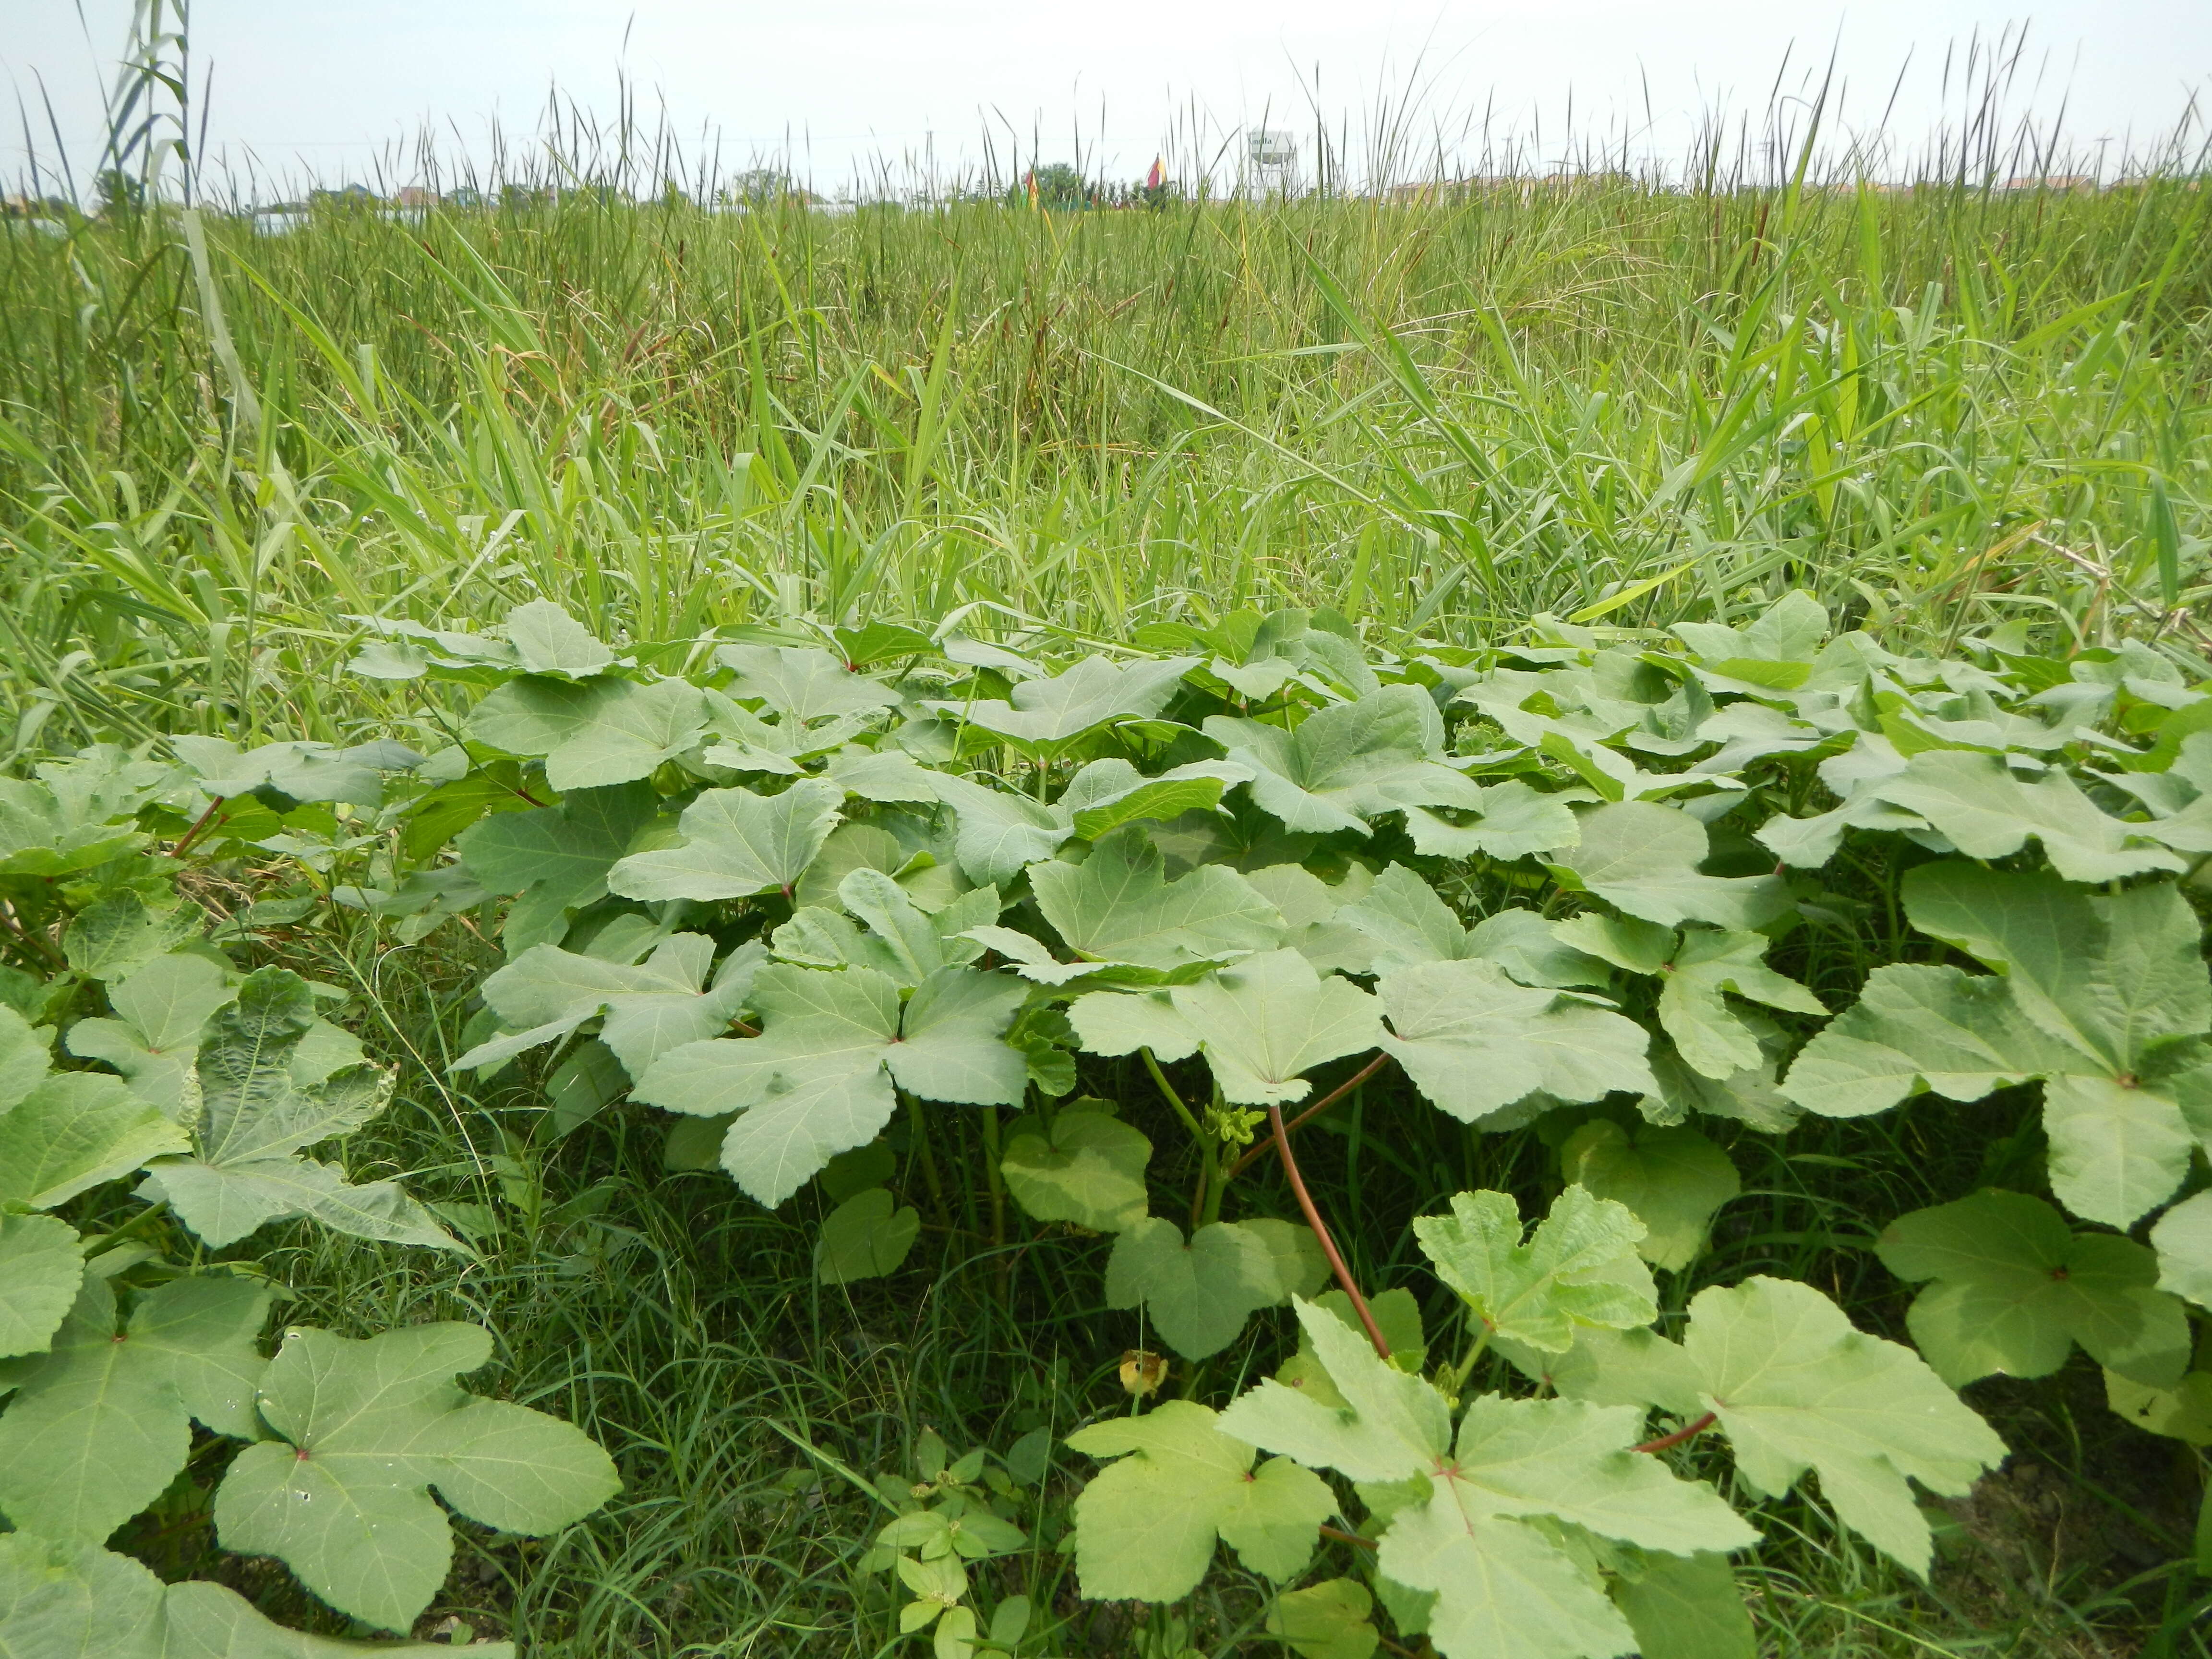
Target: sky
{"points": [[837, 90]]}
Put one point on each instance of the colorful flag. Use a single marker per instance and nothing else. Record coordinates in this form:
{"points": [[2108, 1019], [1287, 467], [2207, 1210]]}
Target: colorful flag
{"points": [[1158, 176]]}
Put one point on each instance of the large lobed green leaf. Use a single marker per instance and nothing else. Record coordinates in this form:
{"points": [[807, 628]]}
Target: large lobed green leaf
{"points": [[366, 1428]]}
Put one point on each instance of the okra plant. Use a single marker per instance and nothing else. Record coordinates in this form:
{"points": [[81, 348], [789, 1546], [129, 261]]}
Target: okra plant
{"points": [[177, 1113], [819, 895]]}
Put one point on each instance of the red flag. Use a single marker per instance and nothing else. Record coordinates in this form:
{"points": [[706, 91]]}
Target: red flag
{"points": [[1158, 176]]}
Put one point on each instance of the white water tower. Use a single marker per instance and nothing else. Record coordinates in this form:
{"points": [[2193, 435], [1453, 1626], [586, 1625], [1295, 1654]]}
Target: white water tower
{"points": [[1272, 167]]}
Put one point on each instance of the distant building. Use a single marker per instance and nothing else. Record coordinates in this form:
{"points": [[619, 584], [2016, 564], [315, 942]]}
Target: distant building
{"points": [[415, 195], [2052, 181], [1271, 163]]}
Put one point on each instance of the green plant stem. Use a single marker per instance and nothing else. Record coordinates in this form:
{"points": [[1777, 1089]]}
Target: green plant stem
{"points": [[1174, 1099], [1002, 1264], [1321, 1231], [1461, 1372], [929, 1175]]}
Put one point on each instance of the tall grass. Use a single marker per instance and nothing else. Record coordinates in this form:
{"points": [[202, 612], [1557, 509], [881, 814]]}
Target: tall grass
{"points": [[1940, 408]]}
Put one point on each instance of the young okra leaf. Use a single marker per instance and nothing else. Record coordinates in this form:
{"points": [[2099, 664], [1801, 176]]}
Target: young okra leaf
{"points": [[251, 1115], [1671, 1179], [2013, 1289], [1474, 1043], [1348, 762], [367, 1427], [556, 858], [1642, 857], [819, 1079], [1795, 1387], [1119, 906], [866, 1237], [41, 1268], [735, 843], [1579, 1265], [1146, 1526], [102, 1422], [1084, 1167]]}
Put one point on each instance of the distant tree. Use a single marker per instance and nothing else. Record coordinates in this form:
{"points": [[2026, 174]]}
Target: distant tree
{"points": [[119, 194], [758, 186], [346, 198], [1060, 187]]}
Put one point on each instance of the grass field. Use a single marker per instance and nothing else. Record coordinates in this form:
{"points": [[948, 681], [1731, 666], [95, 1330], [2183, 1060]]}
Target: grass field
{"points": [[1941, 410]]}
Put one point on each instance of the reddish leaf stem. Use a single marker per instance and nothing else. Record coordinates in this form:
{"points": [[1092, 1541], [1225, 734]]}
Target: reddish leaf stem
{"points": [[1344, 1537], [1315, 1110], [1321, 1231], [1688, 1431], [215, 806]]}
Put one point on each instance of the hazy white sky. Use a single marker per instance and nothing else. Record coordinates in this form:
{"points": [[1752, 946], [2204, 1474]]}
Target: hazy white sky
{"points": [[323, 86]]}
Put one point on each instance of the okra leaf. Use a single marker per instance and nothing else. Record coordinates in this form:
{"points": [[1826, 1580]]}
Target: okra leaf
{"points": [[154, 1037], [41, 1266], [1047, 714], [1087, 1167], [555, 858], [74, 1131], [1348, 762], [1671, 1179], [1642, 857], [1119, 906], [1264, 1021], [102, 1421], [1197, 1295], [1146, 1526], [818, 1080], [866, 1237], [735, 843], [1578, 1266], [2012, 1288], [803, 685], [366, 1428], [1988, 812], [1474, 1043], [1795, 1387], [1328, 1620]]}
